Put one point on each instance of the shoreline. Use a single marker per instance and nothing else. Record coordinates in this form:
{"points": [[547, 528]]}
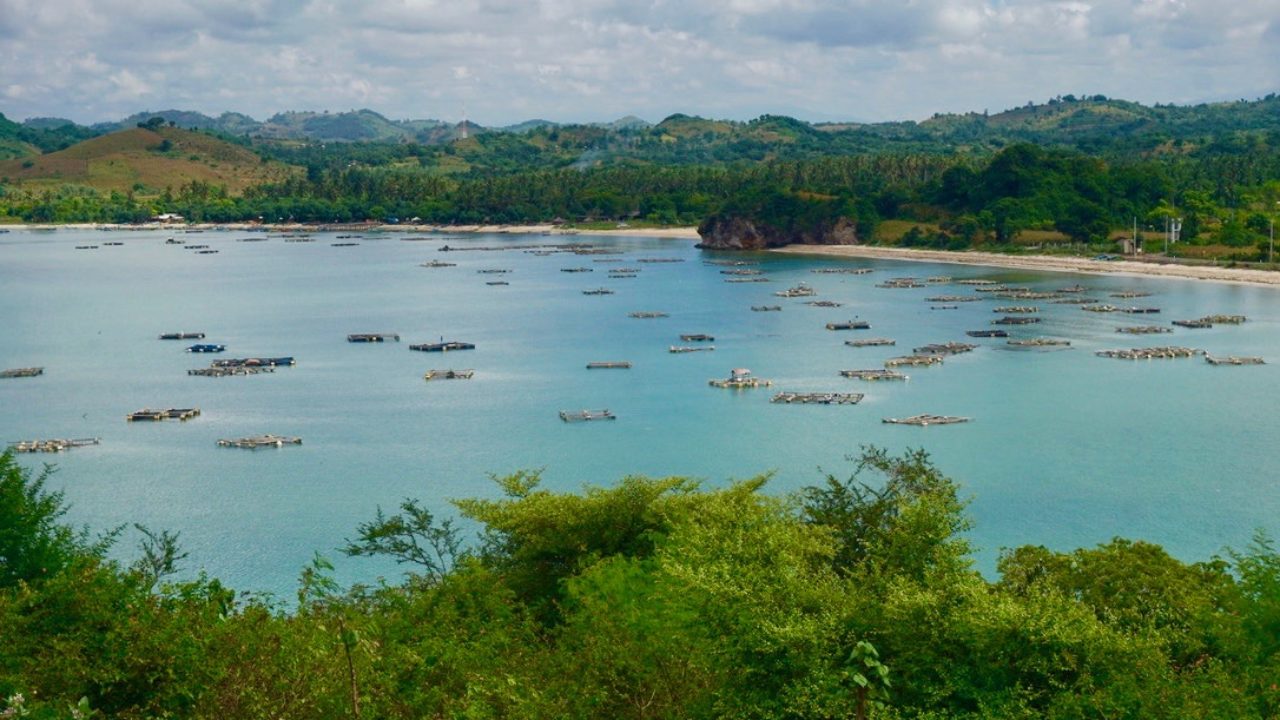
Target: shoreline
{"points": [[1045, 263], [681, 233]]}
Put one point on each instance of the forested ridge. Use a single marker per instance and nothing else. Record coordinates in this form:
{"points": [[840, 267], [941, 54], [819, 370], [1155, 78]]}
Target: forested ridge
{"points": [[648, 598]]}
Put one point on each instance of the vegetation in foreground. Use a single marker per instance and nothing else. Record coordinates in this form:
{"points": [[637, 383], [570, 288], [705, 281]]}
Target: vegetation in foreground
{"points": [[653, 598]]}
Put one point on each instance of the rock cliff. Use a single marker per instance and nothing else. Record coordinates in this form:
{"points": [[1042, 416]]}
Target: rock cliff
{"points": [[732, 232]]}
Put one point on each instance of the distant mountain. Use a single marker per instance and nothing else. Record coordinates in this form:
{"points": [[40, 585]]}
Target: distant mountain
{"points": [[145, 161]]}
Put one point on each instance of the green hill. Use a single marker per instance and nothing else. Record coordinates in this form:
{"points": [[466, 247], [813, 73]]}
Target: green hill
{"points": [[144, 160]]}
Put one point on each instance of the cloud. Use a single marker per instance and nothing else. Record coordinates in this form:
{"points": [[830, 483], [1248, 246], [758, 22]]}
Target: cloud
{"points": [[507, 60]]}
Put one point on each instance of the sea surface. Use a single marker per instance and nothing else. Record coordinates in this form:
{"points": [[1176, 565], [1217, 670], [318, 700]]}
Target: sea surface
{"points": [[1065, 449]]}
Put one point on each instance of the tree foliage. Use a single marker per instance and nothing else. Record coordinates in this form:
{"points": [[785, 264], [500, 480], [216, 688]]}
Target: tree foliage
{"points": [[651, 598]]}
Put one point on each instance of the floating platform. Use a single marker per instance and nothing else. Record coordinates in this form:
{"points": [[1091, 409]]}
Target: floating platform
{"points": [[1028, 295], [824, 303], [689, 349], [1017, 309], [873, 374], [1209, 321], [742, 271], [166, 414], [766, 308], [986, 333], [206, 348], [1143, 330], [1129, 294], [661, 260], [975, 281], [1224, 319], [52, 445], [373, 337], [1016, 320], [826, 398], [497, 282], [1233, 360], [797, 291], [1140, 310], [449, 375], [598, 291], [947, 348], [229, 371], [900, 284], [740, 379], [1151, 353], [842, 271], [444, 346], [757, 279], [493, 272], [913, 361], [1077, 288], [1039, 342], [260, 441], [926, 420], [609, 365], [697, 337], [647, 315], [871, 342], [938, 279], [849, 325], [621, 276], [22, 372], [182, 336], [437, 264], [954, 298], [255, 362], [1001, 289], [1076, 301], [570, 416], [577, 269]]}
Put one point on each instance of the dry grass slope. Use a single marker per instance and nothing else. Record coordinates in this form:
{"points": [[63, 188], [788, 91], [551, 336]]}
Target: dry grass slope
{"points": [[132, 160]]}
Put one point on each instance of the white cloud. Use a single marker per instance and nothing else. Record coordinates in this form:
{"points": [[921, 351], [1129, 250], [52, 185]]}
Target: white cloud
{"points": [[507, 60]]}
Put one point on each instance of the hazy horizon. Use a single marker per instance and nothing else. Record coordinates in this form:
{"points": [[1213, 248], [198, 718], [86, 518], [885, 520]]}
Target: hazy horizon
{"points": [[501, 62]]}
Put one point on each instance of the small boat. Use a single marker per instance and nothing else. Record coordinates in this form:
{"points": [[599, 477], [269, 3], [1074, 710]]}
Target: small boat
{"points": [[1233, 360], [254, 362], [586, 415], [449, 374], [926, 420], [22, 372], [373, 337], [206, 348], [182, 336], [260, 441], [740, 378], [443, 346]]}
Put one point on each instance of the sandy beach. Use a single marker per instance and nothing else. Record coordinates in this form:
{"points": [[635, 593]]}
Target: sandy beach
{"points": [[1050, 263]]}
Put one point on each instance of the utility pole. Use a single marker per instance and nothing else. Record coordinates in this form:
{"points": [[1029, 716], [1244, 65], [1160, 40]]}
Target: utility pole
{"points": [[1271, 243]]}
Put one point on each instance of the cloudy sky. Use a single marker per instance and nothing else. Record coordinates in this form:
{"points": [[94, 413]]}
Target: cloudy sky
{"points": [[582, 60]]}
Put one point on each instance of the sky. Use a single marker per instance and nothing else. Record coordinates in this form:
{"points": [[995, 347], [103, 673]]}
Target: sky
{"points": [[503, 61]]}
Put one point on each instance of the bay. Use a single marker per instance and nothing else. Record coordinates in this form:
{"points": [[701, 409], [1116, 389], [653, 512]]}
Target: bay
{"points": [[1065, 449]]}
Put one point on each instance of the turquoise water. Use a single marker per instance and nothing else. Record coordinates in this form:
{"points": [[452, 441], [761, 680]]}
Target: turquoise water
{"points": [[1065, 449]]}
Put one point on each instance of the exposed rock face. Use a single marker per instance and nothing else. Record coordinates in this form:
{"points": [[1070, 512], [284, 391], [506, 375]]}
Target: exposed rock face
{"points": [[739, 233]]}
